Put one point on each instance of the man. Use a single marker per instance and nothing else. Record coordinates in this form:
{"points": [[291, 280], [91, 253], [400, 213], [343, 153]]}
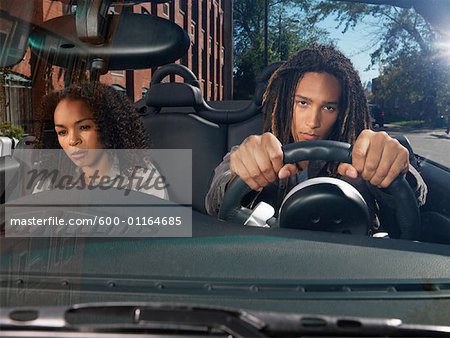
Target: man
{"points": [[316, 95]]}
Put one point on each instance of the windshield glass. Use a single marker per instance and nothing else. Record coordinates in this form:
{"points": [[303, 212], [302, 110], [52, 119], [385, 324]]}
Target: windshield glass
{"points": [[185, 83]]}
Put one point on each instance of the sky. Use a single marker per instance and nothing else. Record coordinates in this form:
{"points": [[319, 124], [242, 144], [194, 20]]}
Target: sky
{"points": [[357, 44]]}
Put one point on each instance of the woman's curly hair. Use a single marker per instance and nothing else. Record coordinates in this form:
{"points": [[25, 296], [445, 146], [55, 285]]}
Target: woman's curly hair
{"points": [[280, 95], [120, 126]]}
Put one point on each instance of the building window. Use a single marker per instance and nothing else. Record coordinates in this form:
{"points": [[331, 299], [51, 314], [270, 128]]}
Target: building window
{"points": [[144, 11], [193, 29], [118, 87], [203, 86], [195, 10], [117, 73], [210, 45], [222, 54], [222, 73], [204, 14], [112, 10], [165, 9], [144, 91], [195, 55], [211, 23], [183, 6]]}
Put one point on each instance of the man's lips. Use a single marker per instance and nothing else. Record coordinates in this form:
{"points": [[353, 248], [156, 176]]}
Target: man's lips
{"points": [[308, 136], [78, 154]]}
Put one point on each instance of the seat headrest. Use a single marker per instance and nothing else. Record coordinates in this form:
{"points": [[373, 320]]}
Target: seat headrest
{"points": [[173, 94]]}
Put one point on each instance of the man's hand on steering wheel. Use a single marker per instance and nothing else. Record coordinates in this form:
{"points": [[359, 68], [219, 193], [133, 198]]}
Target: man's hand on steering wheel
{"points": [[376, 157], [258, 161], [302, 201]]}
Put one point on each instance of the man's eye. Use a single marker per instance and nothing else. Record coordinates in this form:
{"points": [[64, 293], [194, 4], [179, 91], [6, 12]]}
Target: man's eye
{"points": [[302, 102], [330, 108], [85, 127], [61, 132]]}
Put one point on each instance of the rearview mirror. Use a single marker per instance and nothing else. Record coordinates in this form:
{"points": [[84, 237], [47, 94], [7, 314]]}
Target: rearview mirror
{"points": [[139, 41]]}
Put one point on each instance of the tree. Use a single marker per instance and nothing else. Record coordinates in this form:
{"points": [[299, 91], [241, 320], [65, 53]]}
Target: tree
{"points": [[412, 70], [289, 30]]}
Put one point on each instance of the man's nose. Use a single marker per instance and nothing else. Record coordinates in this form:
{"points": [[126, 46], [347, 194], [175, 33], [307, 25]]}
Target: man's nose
{"points": [[313, 120]]}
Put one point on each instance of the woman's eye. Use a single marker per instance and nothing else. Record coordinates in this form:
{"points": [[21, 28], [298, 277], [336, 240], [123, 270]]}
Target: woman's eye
{"points": [[85, 127], [330, 108], [61, 132], [302, 102]]}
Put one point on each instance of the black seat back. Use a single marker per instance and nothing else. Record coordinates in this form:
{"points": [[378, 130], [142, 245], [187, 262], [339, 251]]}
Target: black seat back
{"points": [[177, 117], [171, 123]]}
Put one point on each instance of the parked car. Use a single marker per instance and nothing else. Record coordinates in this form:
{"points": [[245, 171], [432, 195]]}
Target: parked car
{"points": [[220, 277], [377, 115]]}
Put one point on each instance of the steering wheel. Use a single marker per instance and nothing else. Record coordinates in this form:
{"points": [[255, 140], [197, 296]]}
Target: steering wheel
{"points": [[406, 208]]}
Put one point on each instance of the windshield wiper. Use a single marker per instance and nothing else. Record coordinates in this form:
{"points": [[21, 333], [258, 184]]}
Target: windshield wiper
{"points": [[162, 318]]}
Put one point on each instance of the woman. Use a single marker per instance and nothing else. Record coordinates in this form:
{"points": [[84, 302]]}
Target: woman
{"points": [[316, 95], [93, 123]]}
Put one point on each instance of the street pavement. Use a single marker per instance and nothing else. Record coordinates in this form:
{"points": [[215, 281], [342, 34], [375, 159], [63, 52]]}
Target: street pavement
{"points": [[433, 144]]}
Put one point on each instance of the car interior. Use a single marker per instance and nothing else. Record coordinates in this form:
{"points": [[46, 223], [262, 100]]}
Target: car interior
{"points": [[174, 114], [226, 263]]}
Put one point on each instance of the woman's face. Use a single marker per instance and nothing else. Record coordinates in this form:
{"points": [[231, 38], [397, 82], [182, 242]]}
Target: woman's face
{"points": [[77, 132], [316, 106]]}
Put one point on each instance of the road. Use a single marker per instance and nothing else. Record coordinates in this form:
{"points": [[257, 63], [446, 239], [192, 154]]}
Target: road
{"points": [[433, 144]]}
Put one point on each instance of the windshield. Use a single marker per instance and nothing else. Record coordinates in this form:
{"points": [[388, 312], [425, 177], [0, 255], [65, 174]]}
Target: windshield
{"points": [[194, 80]]}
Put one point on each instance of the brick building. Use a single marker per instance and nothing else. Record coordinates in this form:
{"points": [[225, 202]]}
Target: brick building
{"points": [[209, 25], [207, 22]]}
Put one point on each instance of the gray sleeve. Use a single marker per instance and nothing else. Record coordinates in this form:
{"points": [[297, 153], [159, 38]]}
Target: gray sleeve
{"points": [[419, 186], [416, 183], [222, 176]]}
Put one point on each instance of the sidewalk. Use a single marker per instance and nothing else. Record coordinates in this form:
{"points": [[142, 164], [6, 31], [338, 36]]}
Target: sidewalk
{"points": [[436, 132]]}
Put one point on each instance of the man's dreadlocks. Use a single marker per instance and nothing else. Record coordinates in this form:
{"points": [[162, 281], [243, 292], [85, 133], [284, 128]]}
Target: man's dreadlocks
{"points": [[279, 97]]}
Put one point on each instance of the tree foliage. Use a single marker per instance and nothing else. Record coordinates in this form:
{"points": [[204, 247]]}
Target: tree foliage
{"points": [[288, 31], [414, 77], [397, 30], [11, 130]]}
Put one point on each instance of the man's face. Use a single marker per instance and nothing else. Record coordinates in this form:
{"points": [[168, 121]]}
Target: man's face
{"points": [[316, 106]]}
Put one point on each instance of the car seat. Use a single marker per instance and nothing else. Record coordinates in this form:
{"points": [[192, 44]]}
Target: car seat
{"points": [[176, 116]]}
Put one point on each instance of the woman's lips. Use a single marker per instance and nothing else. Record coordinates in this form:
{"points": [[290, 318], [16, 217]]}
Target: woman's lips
{"points": [[78, 155]]}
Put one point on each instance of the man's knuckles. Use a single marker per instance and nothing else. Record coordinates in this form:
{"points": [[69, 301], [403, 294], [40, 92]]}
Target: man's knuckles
{"points": [[276, 156], [370, 168], [268, 172], [358, 153]]}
